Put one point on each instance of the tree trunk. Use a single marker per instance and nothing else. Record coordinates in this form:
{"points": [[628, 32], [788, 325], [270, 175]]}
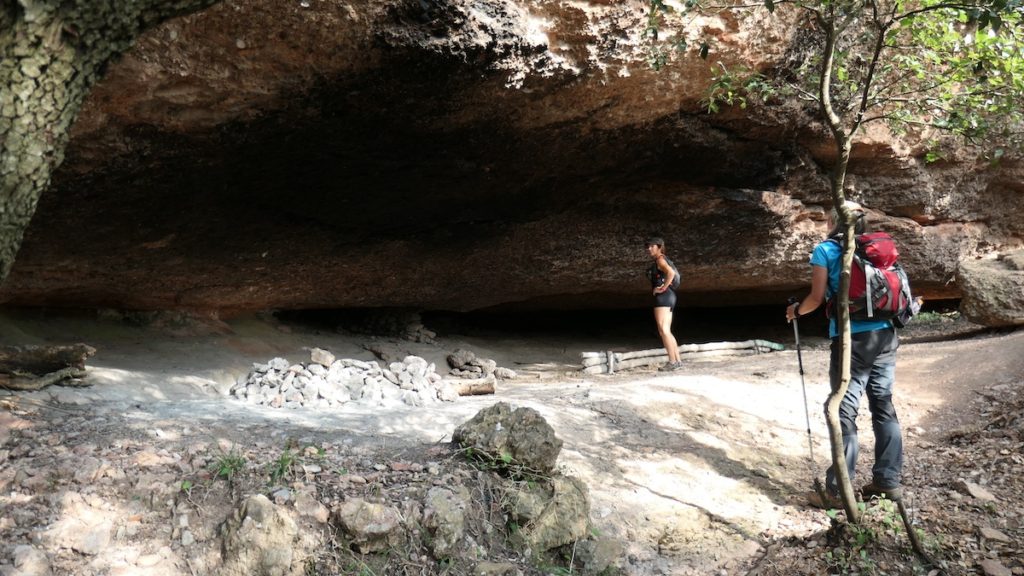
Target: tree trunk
{"points": [[837, 181], [51, 54]]}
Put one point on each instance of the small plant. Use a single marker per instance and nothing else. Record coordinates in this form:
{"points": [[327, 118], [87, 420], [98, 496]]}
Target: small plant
{"points": [[502, 463], [186, 487], [359, 568], [227, 466], [888, 516], [862, 535], [375, 489], [282, 467], [838, 559], [850, 561]]}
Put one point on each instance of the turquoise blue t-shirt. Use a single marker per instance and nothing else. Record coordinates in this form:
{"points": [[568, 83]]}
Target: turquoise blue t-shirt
{"points": [[829, 255]]}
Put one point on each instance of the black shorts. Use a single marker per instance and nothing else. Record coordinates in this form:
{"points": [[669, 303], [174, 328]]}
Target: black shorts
{"points": [[666, 299]]}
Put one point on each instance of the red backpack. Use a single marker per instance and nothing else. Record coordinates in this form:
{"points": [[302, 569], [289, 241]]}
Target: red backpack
{"points": [[879, 287]]}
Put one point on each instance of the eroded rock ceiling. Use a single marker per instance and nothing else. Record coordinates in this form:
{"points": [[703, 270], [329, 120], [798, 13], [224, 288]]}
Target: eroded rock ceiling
{"points": [[459, 155]]}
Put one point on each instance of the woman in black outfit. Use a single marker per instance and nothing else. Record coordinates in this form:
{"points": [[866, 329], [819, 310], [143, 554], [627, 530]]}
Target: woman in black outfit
{"points": [[664, 280]]}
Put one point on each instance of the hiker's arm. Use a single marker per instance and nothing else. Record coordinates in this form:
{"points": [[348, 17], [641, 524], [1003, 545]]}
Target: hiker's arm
{"points": [[669, 275], [810, 303]]}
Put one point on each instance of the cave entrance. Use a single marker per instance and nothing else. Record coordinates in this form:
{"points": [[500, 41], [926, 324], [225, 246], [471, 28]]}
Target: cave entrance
{"points": [[600, 329], [591, 329]]}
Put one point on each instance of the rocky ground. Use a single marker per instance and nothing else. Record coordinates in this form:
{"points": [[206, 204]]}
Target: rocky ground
{"points": [[154, 469]]}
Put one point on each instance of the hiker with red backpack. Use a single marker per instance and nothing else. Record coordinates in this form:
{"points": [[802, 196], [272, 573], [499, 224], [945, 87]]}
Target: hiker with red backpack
{"points": [[879, 301]]}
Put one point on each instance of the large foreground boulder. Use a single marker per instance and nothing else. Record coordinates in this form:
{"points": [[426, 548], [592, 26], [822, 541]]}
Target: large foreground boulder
{"points": [[550, 510], [993, 289], [519, 437]]}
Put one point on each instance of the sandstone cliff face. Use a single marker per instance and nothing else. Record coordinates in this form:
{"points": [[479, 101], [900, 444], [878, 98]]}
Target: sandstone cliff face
{"points": [[459, 155]]}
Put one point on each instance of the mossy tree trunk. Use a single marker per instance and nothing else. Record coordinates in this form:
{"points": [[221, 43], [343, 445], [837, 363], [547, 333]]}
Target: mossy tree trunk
{"points": [[51, 53]]}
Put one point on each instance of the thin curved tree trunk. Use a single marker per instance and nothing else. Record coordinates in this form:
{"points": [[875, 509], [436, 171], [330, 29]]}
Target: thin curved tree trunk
{"points": [[51, 54], [837, 181]]}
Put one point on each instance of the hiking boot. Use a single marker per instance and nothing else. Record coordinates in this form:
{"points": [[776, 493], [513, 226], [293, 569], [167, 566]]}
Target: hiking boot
{"points": [[831, 501], [873, 490], [670, 366]]}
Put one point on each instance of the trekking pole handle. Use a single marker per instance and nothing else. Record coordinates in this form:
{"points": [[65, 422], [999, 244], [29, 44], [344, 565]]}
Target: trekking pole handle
{"points": [[794, 300]]}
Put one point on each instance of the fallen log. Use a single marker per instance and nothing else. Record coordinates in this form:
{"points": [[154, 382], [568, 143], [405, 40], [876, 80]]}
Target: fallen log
{"points": [[67, 377], [608, 362], [686, 350], [36, 367], [655, 360], [41, 360], [592, 358], [546, 367], [475, 387]]}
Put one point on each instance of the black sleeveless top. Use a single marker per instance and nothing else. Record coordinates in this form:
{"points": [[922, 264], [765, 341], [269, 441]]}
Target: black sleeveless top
{"points": [[658, 277]]}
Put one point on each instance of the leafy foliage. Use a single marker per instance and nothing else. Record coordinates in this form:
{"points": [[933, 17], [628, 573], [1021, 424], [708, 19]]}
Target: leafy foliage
{"points": [[953, 66]]}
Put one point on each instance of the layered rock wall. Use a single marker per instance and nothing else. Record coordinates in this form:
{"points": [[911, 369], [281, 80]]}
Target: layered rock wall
{"points": [[459, 155]]}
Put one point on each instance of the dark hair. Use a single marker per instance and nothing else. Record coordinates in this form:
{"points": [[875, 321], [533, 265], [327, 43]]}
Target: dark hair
{"points": [[655, 241]]}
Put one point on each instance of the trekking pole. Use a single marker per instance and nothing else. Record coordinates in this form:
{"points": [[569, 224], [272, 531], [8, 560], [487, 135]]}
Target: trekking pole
{"points": [[800, 363]]}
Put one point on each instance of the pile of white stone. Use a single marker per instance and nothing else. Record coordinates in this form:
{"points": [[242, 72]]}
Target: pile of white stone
{"points": [[327, 382]]}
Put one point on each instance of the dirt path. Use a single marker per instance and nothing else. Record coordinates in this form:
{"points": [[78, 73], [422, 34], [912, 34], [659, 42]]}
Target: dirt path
{"points": [[697, 470]]}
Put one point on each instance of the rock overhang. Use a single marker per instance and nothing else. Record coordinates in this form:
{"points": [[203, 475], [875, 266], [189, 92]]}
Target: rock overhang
{"points": [[257, 156]]}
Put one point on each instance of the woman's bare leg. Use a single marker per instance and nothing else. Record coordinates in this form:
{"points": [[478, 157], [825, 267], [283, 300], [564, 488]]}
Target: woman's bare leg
{"points": [[663, 318]]}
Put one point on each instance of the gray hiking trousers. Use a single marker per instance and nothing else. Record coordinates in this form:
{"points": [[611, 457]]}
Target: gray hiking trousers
{"points": [[872, 372]]}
